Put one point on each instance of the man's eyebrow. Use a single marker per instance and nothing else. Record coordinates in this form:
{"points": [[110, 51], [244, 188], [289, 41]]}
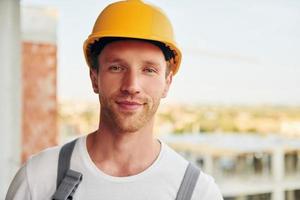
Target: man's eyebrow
{"points": [[153, 63], [113, 59], [120, 60]]}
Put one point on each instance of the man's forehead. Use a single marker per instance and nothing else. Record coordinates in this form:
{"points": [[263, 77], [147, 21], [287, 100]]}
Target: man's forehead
{"points": [[119, 50], [117, 59], [132, 44]]}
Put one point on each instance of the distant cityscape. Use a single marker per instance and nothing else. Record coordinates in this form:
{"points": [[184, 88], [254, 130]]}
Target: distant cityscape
{"points": [[77, 118]]}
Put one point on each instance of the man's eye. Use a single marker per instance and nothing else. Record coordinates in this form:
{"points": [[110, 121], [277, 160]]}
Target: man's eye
{"points": [[115, 68], [150, 70]]}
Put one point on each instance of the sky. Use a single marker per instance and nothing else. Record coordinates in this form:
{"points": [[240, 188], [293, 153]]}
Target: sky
{"points": [[234, 51]]}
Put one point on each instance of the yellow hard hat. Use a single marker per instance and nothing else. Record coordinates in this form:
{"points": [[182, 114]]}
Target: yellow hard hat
{"points": [[134, 19]]}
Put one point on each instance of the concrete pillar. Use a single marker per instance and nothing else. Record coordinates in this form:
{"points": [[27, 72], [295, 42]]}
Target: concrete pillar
{"points": [[278, 173], [265, 160], [208, 164], [290, 195], [241, 198], [298, 161], [10, 92]]}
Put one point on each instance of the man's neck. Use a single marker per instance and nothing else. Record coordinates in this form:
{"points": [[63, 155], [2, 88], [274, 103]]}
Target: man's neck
{"points": [[122, 154]]}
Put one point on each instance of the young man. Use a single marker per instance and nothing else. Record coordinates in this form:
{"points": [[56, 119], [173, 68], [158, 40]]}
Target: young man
{"points": [[132, 57]]}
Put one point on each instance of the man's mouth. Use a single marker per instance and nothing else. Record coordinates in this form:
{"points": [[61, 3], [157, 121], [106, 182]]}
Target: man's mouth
{"points": [[129, 105]]}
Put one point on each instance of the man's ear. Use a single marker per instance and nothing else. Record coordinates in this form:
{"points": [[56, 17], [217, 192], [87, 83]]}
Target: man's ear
{"points": [[94, 79], [169, 79]]}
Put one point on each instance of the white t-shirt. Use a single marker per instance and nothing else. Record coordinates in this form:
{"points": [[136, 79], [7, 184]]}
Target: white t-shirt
{"points": [[36, 180]]}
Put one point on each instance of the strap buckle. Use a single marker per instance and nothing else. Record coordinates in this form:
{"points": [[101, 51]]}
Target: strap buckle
{"points": [[68, 186]]}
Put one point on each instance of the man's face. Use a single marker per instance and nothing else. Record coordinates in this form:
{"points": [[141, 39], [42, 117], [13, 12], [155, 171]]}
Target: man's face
{"points": [[130, 83]]}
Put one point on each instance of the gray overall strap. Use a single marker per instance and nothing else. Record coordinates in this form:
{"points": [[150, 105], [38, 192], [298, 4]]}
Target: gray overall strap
{"points": [[188, 182], [67, 180]]}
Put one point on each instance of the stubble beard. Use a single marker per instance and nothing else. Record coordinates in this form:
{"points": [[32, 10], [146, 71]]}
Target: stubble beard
{"points": [[127, 122]]}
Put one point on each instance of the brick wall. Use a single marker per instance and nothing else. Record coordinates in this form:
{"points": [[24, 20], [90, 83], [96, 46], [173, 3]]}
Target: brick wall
{"points": [[39, 120]]}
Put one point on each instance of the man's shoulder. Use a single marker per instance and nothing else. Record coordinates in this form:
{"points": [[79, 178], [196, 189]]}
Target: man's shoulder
{"points": [[42, 165], [41, 172], [206, 188], [36, 177], [44, 157]]}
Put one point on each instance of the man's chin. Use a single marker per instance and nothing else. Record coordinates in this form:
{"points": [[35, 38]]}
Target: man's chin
{"points": [[130, 123], [128, 129]]}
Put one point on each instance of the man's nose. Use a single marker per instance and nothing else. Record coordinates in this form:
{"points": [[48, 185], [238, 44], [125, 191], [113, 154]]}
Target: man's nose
{"points": [[130, 83]]}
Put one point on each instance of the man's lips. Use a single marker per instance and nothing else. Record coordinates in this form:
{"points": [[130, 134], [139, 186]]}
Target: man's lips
{"points": [[129, 105]]}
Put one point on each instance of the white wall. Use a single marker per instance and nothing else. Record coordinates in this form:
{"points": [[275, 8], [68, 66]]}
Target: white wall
{"points": [[10, 91]]}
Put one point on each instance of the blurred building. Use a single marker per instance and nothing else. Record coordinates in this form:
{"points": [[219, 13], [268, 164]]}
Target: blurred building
{"points": [[246, 167], [39, 65], [28, 84]]}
